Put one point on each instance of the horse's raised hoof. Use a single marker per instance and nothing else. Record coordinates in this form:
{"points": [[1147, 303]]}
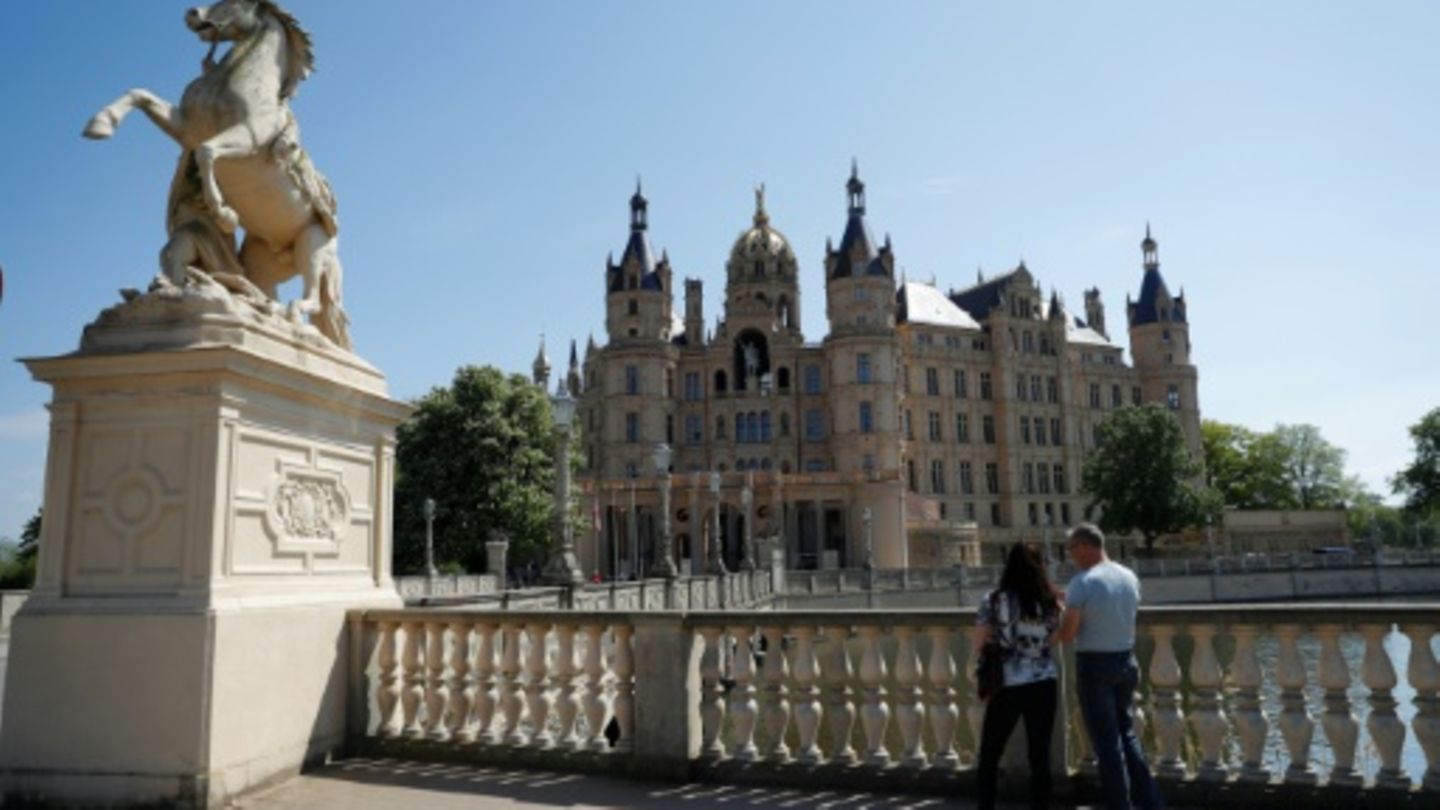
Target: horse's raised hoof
{"points": [[100, 127]]}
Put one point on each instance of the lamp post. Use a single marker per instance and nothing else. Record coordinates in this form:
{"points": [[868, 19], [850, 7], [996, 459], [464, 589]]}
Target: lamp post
{"points": [[664, 564], [428, 509], [747, 539], [562, 567], [717, 560]]}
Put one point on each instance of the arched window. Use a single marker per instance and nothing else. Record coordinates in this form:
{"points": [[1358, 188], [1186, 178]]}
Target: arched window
{"points": [[633, 307], [783, 378], [720, 382], [765, 426], [759, 269]]}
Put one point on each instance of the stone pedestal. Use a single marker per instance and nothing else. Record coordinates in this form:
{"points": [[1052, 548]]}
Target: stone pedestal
{"points": [[217, 496]]}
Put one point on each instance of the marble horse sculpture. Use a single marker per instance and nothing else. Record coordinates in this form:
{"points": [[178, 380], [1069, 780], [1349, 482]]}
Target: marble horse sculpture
{"points": [[242, 166]]}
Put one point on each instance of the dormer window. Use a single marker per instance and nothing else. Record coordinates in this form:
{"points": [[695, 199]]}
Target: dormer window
{"points": [[633, 307], [759, 269]]}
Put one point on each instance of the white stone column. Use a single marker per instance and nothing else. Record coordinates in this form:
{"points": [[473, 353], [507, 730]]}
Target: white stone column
{"points": [[836, 673], [667, 728], [807, 703], [1341, 730], [1250, 722], [1386, 731], [1295, 724], [1424, 675]]}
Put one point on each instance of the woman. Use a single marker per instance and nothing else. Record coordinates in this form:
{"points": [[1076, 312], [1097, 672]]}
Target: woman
{"points": [[1021, 615]]}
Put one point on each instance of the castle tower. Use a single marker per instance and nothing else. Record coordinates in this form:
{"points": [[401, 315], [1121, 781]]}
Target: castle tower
{"points": [[762, 298], [862, 354], [632, 402], [1160, 345], [637, 288]]}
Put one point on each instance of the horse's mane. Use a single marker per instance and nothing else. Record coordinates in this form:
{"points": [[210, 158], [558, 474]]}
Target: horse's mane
{"points": [[300, 54]]}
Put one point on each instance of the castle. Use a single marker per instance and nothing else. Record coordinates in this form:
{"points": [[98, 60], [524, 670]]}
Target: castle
{"points": [[926, 428]]}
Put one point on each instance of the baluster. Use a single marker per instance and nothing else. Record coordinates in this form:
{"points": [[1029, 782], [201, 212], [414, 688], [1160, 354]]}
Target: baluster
{"points": [[510, 687], [1250, 723], [1386, 730], [436, 692], [1424, 675], [775, 707], [1169, 720], [1295, 724], [462, 686], [836, 672], [624, 667], [537, 693], [1339, 724], [387, 695], [414, 694], [712, 693], [943, 713], [974, 706], [807, 702], [485, 696], [742, 697], [875, 713], [594, 702], [567, 703], [909, 711], [1207, 717]]}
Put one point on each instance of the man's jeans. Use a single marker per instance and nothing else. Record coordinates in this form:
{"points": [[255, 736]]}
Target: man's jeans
{"points": [[1105, 683]]}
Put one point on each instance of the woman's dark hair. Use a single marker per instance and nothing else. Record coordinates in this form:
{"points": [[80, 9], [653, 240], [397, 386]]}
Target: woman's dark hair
{"points": [[1025, 577]]}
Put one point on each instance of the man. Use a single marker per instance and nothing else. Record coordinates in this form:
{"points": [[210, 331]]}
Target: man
{"points": [[1100, 605]]}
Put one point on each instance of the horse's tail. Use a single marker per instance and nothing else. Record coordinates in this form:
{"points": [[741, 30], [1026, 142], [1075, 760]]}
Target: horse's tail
{"points": [[334, 323]]}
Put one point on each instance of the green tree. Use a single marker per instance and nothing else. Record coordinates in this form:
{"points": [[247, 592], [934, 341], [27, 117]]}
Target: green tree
{"points": [[1141, 476], [483, 449], [1245, 469], [1420, 482], [1315, 467], [18, 572]]}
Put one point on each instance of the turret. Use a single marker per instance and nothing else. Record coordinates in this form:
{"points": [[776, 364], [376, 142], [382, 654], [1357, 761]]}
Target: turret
{"points": [[1095, 311], [694, 312], [1160, 345], [637, 288], [540, 369], [573, 382], [859, 277]]}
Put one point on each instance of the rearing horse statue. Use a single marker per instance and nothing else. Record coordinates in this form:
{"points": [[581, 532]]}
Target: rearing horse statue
{"points": [[242, 166]]}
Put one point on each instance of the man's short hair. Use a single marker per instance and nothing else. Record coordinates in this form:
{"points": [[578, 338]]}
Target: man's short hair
{"points": [[1089, 534]]}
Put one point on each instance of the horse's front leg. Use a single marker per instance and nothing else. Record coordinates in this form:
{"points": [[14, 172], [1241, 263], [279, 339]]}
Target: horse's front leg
{"points": [[237, 141], [165, 115]]}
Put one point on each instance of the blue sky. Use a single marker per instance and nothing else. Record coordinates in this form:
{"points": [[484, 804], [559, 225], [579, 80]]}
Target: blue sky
{"points": [[483, 153]]}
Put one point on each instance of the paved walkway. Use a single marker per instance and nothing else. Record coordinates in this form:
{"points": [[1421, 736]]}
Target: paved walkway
{"points": [[360, 784]]}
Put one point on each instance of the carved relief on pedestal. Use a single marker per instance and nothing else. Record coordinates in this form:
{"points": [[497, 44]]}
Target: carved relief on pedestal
{"points": [[129, 510], [308, 510]]}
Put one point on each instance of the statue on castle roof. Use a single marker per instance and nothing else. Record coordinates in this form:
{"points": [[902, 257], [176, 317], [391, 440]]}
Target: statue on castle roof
{"points": [[242, 166]]}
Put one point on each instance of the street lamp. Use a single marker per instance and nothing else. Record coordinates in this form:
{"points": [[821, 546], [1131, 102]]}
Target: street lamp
{"points": [[562, 567], [664, 565], [428, 509], [717, 561], [747, 539]]}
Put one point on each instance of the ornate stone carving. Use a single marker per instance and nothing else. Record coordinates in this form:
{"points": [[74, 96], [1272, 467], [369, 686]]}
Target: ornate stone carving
{"points": [[242, 165], [308, 509]]}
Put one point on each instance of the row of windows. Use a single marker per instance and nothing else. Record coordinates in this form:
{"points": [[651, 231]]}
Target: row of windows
{"points": [[694, 390], [750, 428], [1117, 398], [1027, 343], [951, 341], [965, 477], [1039, 478]]}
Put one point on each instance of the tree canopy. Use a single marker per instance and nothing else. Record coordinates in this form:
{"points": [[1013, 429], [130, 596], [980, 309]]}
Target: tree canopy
{"points": [[17, 571], [483, 448], [1141, 475], [1420, 481], [1291, 467]]}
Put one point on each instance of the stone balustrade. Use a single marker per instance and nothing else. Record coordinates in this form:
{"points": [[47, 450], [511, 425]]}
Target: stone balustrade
{"points": [[1235, 702]]}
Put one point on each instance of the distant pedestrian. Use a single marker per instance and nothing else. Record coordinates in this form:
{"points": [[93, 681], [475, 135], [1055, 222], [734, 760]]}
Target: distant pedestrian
{"points": [[1021, 616], [1100, 607]]}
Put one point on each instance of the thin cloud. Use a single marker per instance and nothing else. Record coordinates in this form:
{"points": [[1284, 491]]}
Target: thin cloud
{"points": [[28, 424]]}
